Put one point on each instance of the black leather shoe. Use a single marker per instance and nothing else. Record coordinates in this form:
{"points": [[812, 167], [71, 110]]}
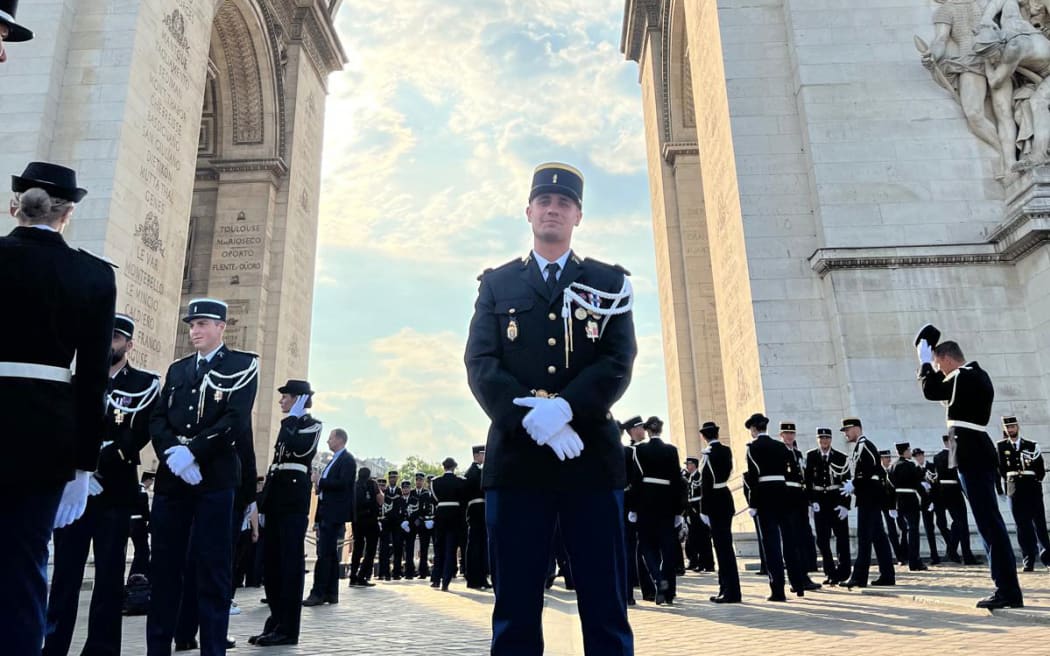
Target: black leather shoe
{"points": [[935, 560], [830, 582], [435, 584], [995, 601], [275, 639], [365, 583], [313, 601], [882, 581], [353, 581], [631, 601], [850, 584], [189, 645], [811, 586], [651, 597], [954, 558], [331, 600], [725, 600], [921, 567], [972, 560], [776, 597], [444, 587], [761, 572], [231, 643], [1028, 568]]}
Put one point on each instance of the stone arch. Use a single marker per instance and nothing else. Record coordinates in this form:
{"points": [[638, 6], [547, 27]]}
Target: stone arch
{"points": [[679, 112]]}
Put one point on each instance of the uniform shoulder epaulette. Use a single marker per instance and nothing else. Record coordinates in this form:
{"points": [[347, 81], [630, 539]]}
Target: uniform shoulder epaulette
{"points": [[811, 451], [191, 354], [251, 354], [482, 274], [148, 372], [505, 265], [615, 267], [100, 258]]}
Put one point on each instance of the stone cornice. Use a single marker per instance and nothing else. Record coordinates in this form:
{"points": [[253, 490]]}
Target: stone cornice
{"points": [[638, 16], [215, 168], [313, 25], [825, 260], [672, 150]]}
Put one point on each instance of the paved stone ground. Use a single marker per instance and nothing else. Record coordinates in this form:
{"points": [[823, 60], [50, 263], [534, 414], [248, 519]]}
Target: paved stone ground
{"points": [[928, 612]]}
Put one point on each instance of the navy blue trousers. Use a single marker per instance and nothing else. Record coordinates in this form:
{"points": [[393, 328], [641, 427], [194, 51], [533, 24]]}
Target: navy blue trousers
{"points": [[108, 529], [775, 530], [722, 538], [979, 487], [285, 559], [29, 518], [208, 517], [658, 542], [1030, 517], [326, 570], [871, 532], [446, 540], [521, 530]]}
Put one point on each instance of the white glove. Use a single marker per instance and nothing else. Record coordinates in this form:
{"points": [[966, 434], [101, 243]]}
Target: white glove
{"points": [[429, 524], [815, 507], [706, 520], [926, 486], [179, 459], [752, 512], [632, 517], [678, 520], [925, 352], [74, 499], [404, 527], [842, 511], [94, 486], [566, 443], [262, 520], [546, 418], [299, 407], [930, 509], [192, 474], [893, 514], [847, 488]]}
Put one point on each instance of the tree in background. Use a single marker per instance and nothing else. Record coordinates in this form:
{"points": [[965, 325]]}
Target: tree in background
{"points": [[414, 463]]}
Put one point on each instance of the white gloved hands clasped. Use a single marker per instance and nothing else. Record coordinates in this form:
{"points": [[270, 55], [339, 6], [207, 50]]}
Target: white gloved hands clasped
{"points": [[632, 517], [893, 514], [546, 417], [429, 523], [404, 527], [678, 520], [94, 486], [926, 486], [752, 512], [706, 520], [930, 508], [179, 459], [925, 352], [566, 443], [299, 407], [815, 506], [847, 488], [192, 474], [74, 499], [842, 511]]}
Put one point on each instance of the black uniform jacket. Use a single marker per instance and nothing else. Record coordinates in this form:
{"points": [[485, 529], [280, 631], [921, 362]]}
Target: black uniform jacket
{"points": [[335, 492], [948, 488], [474, 496], [287, 487], [716, 500], [449, 492], [516, 347], [907, 478], [967, 394], [420, 507], [1021, 468], [59, 304], [130, 402], [767, 466], [824, 479], [658, 489], [215, 425], [869, 478]]}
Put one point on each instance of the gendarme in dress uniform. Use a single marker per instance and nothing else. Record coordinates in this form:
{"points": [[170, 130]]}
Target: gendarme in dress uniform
{"points": [[550, 349]]}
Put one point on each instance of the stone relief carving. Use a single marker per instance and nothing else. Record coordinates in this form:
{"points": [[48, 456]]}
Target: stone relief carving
{"points": [[994, 59], [176, 25], [242, 64], [149, 232]]}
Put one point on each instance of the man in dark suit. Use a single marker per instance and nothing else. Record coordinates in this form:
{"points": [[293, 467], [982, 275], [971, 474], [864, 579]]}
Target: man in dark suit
{"points": [[717, 510], [1022, 470], [106, 523], [658, 507], [60, 306], [477, 570], [199, 426], [826, 471], [551, 347], [10, 31], [335, 507], [868, 483], [767, 467], [448, 491], [952, 504], [967, 389], [284, 507]]}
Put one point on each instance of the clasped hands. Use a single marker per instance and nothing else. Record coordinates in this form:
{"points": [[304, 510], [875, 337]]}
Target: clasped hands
{"points": [[182, 463], [547, 422]]}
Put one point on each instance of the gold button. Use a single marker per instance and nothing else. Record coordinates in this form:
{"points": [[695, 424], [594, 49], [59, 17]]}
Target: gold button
{"points": [[552, 316], [551, 341], [551, 369]]}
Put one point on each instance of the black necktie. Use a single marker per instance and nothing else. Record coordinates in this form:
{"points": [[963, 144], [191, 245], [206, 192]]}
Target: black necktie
{"points": [[552, 275], [201, 362]]}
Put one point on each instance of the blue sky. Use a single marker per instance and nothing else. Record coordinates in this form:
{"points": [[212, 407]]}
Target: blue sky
{"points": [[431, 136]]}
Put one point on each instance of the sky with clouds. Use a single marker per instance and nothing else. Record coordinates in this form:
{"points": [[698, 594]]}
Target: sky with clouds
{"points": [[432, 133]]}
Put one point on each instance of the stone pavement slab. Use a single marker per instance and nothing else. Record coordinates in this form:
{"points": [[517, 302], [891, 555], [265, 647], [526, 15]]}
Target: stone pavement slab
{"points": [[928, 612]]}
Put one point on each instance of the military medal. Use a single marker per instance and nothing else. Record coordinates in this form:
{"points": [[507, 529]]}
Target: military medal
{"points": [[592, 330], [218, 395], [512, 330], [581, 314], [118, 417]]}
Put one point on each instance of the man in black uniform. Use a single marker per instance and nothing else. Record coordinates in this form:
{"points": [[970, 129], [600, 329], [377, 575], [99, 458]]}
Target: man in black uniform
{"points": [[768, 461], [890, 516], [284, 507], [367, 504], [657, 504], [448, 493], [826, 471], [198, 426], [550, 349], [10, 31], [477, 570], [637, 573], [952, 503], [868, 483], [698, 541], [1022, 470], [389, 532], [929, 484], [400, 519], [968, 392], [106, 522], [796, 530], [67, 297], [717, 510], [139, 530], [421, 520], [907, 478]]}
